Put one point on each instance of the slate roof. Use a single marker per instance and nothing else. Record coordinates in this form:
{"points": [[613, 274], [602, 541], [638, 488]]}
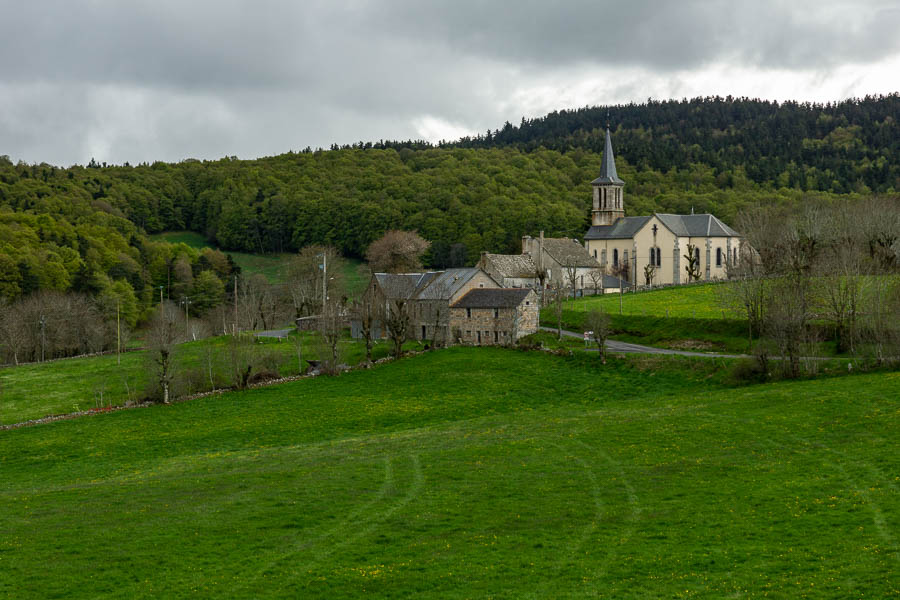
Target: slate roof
{"points": [[568, 252], [608, 166], [512, 265], [445, 284], [402, 286], [492, 298], [623, 228], [704, 225]]}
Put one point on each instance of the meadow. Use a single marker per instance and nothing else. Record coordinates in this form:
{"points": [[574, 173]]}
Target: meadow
{"points": [[272, 266], [687, 318], [468, 472], [35, 390]]}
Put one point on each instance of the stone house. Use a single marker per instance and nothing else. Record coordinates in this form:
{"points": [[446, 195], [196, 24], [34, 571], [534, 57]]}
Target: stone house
{"points": [[510, 270], [557, 257], [494, 316], [425, 298], [653, 249]]}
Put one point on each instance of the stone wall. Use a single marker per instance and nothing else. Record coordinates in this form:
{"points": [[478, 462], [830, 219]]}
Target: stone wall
{"points": [[486, 326]]}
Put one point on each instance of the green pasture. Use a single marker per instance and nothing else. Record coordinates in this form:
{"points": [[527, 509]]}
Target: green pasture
{"points": [[468, 472], [273, 266], [70, 385], [699, 301], [686, 318]]}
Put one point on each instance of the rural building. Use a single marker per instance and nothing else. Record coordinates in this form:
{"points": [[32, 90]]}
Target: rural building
{"points": [[494, 316], [425, 298], [510, 270], [654, 249], [557, 257]]}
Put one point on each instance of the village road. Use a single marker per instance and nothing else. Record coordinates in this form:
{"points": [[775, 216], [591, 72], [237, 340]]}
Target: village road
{"points": [[628, 348]]}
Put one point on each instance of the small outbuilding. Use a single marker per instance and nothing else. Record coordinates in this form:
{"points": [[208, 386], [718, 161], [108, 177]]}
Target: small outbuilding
{"points": [[494, 316]]}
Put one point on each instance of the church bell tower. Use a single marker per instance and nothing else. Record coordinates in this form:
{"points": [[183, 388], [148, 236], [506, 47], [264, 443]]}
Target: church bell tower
{"points": [[608, 203]]}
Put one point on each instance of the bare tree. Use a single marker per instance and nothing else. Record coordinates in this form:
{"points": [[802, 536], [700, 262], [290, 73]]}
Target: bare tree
{"points": [[397, 252], [316, 271], [649, 274], [557, 296], [397, 323], [366, 312], [597, 323], [596, 276], [331, 328], [165, 331], [12, 330], [692, 267], [571, 271]]}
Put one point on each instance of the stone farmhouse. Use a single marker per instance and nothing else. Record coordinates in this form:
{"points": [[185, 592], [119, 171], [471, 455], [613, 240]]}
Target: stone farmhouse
{"points": [[653, 249], [494, 316], [510, 270], [556, 257], [426, 299]]}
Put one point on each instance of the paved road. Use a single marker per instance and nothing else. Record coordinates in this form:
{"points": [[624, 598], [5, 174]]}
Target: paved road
{"points": [[275, 333], [627, 348]]}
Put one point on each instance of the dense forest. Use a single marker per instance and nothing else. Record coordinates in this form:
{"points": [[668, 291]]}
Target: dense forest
{"points": [[84, 228]]}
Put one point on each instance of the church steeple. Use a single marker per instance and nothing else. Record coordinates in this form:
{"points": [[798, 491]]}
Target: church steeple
{"points": [[608, 198]]}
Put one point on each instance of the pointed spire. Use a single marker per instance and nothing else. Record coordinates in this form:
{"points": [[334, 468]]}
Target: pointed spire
{"points": [[608, 166]]}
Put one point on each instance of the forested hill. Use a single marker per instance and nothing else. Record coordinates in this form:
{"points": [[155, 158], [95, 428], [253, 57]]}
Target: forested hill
{"points": [[85, 227], [839, 147]]}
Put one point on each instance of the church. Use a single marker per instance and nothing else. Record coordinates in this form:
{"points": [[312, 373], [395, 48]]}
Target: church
{"points": [[658, 249]]}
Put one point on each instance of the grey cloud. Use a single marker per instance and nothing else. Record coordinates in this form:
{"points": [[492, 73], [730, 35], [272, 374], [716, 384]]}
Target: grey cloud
{"points": [[149, 79]]}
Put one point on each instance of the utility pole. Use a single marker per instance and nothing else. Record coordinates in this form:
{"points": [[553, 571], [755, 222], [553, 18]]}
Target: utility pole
{"points": [[187, 319], [324, 281], [118, 336], [43, 322], [160, 301], [234, 329]]}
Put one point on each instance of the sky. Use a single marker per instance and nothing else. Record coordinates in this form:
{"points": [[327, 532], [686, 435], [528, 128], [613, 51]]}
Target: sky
{"points": [[168, 80]]}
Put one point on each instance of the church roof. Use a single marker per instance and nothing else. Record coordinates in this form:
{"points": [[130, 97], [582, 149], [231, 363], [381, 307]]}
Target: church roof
{"points": [[623, 228], [608, 166], [512, 265], [568, 252], [705, 225], [493, 298]]}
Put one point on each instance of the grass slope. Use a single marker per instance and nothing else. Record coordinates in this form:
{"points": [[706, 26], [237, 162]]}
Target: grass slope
{"points": [[40, 389], [467, 473], [686, 317], [273, 266]]}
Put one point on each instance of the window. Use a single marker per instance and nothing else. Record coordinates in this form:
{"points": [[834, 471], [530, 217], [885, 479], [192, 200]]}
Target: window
{"points": [[658, 257], [603, 257], [496, 313], [625, 257], [481, 285], [468, 313], [496, 337], [595, 253], [697, 255], [615, 257], [718, 257]]}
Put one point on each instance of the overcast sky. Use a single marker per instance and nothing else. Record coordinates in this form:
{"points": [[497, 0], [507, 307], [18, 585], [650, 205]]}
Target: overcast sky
{"points": [[165, 80]]}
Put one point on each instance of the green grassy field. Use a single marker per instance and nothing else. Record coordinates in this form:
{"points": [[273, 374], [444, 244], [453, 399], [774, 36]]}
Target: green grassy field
{"points": [[273, 266], [468, 473], [686, 318], [37, 390]]}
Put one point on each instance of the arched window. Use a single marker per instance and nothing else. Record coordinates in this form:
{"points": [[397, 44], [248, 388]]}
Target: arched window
{"points": [[697, 255], [718, 257], [615, 257]]}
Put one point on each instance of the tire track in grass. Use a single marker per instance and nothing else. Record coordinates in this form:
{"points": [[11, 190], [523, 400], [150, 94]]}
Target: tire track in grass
{"points": [[878, 519], [351, 517], [367, 526], [586, 532], [633, 503]]}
